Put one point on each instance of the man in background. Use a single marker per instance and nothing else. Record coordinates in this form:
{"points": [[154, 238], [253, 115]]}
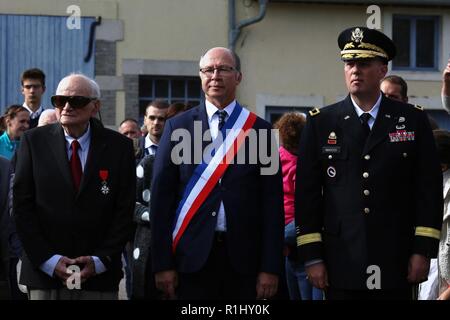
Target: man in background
{"points": [[48, 116], [154, 120], [130, 128], [394, 87], [33, 88]]}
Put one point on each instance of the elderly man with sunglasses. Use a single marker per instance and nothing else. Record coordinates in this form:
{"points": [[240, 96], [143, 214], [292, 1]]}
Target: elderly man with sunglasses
{"points": [[74, 193]]}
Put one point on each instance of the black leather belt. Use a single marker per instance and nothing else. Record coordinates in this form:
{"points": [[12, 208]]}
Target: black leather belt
{"points": [[220, 236]]}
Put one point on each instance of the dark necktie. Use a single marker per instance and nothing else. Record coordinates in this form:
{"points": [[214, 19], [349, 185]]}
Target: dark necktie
{"points": [[75, 165], [222, 114], [153, 148], [365, 117]]}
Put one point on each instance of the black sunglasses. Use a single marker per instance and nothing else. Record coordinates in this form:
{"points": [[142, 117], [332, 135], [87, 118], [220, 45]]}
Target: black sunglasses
{"points": [[76, 102]]}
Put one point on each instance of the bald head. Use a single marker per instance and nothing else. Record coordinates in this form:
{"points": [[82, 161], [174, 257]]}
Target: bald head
{"points": [[75, 118], [89, 86], [47, 116], [222, 51], [220, 76]]}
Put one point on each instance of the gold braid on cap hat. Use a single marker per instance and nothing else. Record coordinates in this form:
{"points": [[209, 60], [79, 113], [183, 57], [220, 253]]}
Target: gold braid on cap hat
{"points": [[374, 51]]}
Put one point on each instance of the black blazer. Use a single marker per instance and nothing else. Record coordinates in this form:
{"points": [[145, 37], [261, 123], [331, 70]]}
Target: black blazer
{"points": [[253, 205], [366, 197], [53, 219]]}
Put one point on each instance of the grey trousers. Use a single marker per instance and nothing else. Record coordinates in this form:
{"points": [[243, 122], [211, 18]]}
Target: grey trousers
{"points": [[66, 294]]}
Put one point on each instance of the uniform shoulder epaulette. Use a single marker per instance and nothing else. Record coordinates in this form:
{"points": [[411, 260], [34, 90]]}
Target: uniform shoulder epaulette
{"points": [[418, 107], [314, 112]]}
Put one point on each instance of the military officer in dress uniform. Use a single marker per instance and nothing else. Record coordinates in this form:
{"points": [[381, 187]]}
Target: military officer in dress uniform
{"points": [[369, 186]]}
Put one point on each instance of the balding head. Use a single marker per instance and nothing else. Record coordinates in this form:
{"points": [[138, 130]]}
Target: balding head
{"points": [[220, 76], [75, 119], [47, 116], [232, 54], [91, 87]]}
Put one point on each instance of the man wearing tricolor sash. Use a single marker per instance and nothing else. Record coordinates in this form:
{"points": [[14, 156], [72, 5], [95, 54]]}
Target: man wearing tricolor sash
{"points": [[217, 204]]}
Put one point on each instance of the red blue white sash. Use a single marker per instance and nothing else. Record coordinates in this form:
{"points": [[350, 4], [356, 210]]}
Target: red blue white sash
{"points": [[206, 175]]}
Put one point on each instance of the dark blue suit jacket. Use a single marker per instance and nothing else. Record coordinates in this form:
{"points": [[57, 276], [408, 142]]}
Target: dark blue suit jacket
{"points": [[253, 205]]}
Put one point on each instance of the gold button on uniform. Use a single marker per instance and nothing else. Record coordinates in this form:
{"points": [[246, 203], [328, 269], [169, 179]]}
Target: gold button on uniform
{"points": [[366, 192], [365, 175], [213, 213], [366, 210], [367, 157], [330, 157], [405, 155]]}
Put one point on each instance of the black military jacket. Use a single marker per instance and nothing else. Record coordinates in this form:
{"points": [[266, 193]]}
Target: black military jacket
{"points": [[366, 204]]}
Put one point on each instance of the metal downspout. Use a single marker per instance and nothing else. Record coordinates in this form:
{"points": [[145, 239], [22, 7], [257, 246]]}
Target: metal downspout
{"points": [[235, 30]]}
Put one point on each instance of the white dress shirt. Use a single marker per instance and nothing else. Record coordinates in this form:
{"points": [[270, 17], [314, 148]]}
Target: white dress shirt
{"points": [[150, 146], [33, 114], [373, 112], [213, 122]]}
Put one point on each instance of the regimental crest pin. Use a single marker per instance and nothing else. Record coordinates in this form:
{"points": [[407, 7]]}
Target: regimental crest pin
{"points": [[332, 138], [104, 177]]}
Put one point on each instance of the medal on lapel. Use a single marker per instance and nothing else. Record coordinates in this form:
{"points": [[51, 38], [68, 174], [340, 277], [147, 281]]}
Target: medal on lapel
{"points": [[401, 136], [104, 176]]}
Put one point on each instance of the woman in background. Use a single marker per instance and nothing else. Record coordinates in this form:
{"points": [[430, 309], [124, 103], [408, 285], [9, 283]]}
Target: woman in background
{"points": [[14, 123], [290, 127]]}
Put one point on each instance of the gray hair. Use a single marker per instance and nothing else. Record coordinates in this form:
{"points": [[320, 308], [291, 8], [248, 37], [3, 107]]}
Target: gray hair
{"points": [[95, 89]]}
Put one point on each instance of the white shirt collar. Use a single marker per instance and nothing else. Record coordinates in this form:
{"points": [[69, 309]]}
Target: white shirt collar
{"points": [[212, 109], [149, 142], [84, 140], [33, 114], [373, 112]]}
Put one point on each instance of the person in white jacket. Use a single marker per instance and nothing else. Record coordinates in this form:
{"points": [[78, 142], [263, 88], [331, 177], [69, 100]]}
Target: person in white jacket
{"points": [[442, 139], [438, 284]]}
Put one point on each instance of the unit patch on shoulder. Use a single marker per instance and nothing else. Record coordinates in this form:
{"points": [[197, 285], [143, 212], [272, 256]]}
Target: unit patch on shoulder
{"points": [[314, 112]]}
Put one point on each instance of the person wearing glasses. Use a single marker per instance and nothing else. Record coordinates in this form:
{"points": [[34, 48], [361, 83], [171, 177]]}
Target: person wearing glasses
{"points": [[369, 184], [74, 194], [154, 119], [33, 88], [217, 230]]}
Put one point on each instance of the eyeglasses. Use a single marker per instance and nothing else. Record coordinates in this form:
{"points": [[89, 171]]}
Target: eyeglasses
{"points": [[209, 71], [76, 102]]}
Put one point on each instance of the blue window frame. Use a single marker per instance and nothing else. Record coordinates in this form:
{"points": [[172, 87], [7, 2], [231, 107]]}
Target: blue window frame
{"points": [[187, 90], [417, 42]]}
